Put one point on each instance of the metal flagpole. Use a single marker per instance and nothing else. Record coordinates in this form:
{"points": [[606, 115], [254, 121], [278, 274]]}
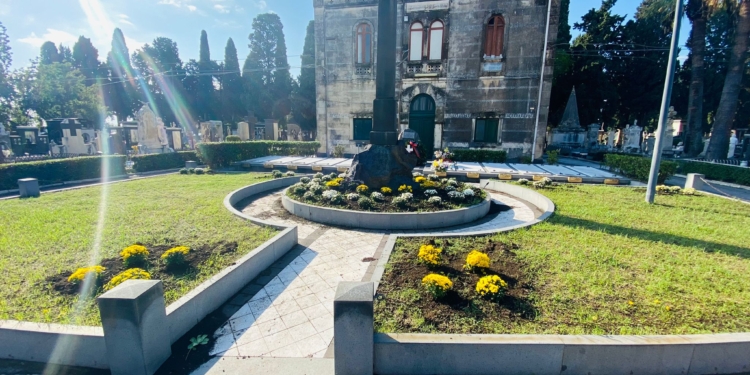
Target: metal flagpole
{"points": [[656, 157]]}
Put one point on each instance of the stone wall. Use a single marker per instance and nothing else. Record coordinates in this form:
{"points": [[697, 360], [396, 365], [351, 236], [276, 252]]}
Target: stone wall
{"points": [[460, 83]]}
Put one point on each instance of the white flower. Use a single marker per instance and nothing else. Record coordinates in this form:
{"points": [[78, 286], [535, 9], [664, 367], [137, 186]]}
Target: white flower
{"points": [[435, 200], [407, 196], [430, 192], [330, 194], [377, 196], [468, 192], [352, 196]]}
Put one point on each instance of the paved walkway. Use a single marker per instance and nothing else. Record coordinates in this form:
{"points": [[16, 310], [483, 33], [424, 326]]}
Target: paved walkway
{"points": [[291, 314]]}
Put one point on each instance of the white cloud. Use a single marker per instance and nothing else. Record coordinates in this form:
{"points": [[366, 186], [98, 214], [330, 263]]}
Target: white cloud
{"points": [[192, 8], [52, 35], [221, 8], [123, 19], [261, 4], [179, 4]]}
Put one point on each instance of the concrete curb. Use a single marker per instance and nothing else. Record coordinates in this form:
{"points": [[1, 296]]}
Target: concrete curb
{"points": [[386, 221]]}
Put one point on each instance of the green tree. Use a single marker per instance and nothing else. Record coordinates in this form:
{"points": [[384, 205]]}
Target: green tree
{"points": [[231, 85], [282, 79], [6, 85], [205, 94], [160, 70], [122, 87], [262, 93], [66, 54], [86, 59], [736, 68], [60, 91], [697, 12], [303, 98], [48, 54]]}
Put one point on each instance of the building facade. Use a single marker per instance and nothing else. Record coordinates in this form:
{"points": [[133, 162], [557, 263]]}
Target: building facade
{"points": [[467, 76]]}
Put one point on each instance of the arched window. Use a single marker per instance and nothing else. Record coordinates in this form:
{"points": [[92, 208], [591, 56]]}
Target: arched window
{"points": [[415, 41], [364, 44], [436, 41], [495, 32]]}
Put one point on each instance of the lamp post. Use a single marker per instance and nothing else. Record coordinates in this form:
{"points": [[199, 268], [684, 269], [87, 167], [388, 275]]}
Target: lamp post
{"points": [[656, 157]]}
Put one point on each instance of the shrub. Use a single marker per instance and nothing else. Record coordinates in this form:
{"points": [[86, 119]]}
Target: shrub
{"points": [[330, 194], [305, 180], [309, 196], [486, 156], [223, 154], [477, 259], [386, 190], [318, 175], [289, 174], [233, 138], [468, 193], [401, 202], [491, 287], [452, 182], [638, 167], [317, 181], [276, 174], [298, 189], [435, 201], [523, 181], [315, 189], [404, 188], [352, 196], [191, 170], [134, 255], [130, 274], [430, 192], [449, 188], [407, 196], [456, 196], [183, 171], [366, 203], [333, 175], [718, 172], [80, 274], [200, 171], [158, 162], [379, 197], [326, 178], [553, 156], [689, 191], [338, 151], [362, 189], [525, 159], [175, 256], [429, 254], [437, 285], [668, 190], [60, 170]]}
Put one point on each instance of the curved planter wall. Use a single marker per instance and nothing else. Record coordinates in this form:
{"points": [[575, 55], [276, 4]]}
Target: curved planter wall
{"points": [[386, 221]]}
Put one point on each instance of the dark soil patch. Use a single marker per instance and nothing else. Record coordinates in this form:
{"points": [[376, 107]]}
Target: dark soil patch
{"points": [[154, 265], [403, 302]]}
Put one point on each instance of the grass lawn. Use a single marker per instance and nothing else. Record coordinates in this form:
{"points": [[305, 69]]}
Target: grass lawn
{"points": [[57, 233], [605, 263]]}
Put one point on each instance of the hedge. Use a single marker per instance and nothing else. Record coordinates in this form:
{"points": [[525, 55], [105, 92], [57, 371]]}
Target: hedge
{"points": [[718, 172], [158, 162], [60, 170], [487, 156], [217, 155], [638, 167]]}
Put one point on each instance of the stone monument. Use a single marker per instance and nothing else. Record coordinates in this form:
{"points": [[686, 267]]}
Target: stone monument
{"points": [[386, 161], [611, 136], [148, 130], [243, 131], [732, 145], [633, 138], [592, 137], [569, 132]]}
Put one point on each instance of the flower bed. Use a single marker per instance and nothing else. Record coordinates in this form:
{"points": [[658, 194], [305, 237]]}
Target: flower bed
{"points": [[426, 194]]}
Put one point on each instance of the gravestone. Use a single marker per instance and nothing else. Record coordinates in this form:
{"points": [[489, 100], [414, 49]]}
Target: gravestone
{"points": [[212, 131], [732, 146], [148, 130], [243, 131], [632, 138], [611, 136], [593, 136], [706, 141]]}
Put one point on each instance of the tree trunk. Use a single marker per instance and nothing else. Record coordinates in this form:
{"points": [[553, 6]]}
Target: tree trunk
{"points": [[694, 127], [719, 145]]}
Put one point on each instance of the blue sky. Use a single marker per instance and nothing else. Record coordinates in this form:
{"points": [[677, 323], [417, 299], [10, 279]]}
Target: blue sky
{"points": [[31, 22]]}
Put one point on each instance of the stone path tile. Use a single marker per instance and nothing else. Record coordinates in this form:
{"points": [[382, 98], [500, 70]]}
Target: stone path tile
{"points": [[291, 313]]}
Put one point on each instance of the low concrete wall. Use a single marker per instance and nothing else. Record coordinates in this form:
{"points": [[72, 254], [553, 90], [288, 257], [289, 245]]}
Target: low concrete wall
{"points": [[241, 194], [53, 343], [189, 310], [558, 354], [386, 221]]}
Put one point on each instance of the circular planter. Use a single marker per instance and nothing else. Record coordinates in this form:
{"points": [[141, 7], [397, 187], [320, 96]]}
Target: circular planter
{"points": [[386, 220]]}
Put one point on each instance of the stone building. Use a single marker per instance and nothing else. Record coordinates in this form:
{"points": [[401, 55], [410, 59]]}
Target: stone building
{"points": [[468, 72]]}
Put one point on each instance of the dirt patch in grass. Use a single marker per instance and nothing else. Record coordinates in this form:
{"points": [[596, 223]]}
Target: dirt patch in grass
{"points": [[404, 306], [158, 269]]}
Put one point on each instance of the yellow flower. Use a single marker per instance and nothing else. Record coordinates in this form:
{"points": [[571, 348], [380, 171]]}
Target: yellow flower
{"points": [[477, 259], [631, 303], [182, 250], [404, 189], [362, 189], [439, 281], [594, 318], [656, 302], [429, 185], [420, 179], [491, 286], [429, 254], [386, 190], [333, 184], [134, 251], [131, 274], [668, 308], [80, 274]]}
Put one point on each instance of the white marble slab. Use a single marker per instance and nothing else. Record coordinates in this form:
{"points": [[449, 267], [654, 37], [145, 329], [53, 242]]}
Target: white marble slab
{"points": [[528, 169]]}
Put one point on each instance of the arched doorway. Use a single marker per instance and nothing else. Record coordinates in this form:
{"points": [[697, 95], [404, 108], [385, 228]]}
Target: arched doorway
{"points": [[422, 120]]}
